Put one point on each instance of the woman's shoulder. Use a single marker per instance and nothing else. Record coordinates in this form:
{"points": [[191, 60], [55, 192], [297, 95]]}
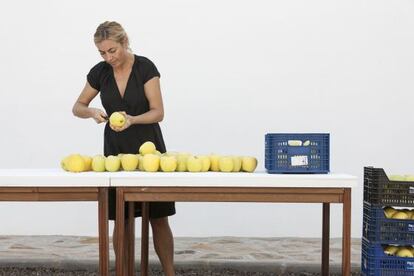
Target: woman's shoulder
{"points": [[144, 61], [147, 68], [100, 67], [97, 74]]}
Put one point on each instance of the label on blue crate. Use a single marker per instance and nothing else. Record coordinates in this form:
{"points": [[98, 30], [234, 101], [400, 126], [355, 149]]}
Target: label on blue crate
{"points": [[410, 265], [410, 227], [299, 160]]}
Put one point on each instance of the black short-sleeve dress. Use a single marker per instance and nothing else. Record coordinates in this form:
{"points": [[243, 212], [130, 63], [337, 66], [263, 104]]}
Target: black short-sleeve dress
{"points": [[134, 102]]}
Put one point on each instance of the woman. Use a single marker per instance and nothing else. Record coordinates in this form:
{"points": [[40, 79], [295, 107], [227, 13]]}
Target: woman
{"points": [[128, 83]]}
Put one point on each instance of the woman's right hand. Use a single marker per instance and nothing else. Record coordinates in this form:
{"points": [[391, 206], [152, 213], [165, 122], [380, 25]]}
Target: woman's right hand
{"points": [[99, 115]]}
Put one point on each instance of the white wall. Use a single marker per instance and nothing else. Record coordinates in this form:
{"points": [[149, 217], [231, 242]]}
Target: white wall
{"points": [[231, 72]]}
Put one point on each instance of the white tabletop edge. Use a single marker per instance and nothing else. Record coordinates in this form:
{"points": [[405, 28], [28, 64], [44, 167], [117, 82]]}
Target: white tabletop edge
{"points": [[59, 178], [216, 179], [51, 178]]}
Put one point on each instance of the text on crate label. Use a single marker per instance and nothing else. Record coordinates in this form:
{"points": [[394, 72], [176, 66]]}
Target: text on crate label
{"points": [[299, 160]]}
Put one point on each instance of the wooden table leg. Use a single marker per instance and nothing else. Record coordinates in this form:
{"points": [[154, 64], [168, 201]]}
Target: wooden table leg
{"points": [[144, 238], [325, 238], [103, 232], [120, 228], [346, 233], [131, 239]]}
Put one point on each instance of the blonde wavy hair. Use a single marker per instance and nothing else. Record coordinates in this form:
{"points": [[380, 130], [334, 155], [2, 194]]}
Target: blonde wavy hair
{"points": [[111, 30]]}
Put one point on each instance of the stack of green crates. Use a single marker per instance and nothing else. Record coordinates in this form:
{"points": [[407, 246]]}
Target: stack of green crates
{"points": [[388, 225]]}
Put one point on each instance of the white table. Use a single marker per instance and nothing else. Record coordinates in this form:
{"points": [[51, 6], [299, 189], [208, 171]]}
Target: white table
{"points": [[58, 185], [230, 187]]}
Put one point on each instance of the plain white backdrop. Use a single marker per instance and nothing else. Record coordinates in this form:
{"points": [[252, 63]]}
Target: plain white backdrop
{"points": [[231, 71]]}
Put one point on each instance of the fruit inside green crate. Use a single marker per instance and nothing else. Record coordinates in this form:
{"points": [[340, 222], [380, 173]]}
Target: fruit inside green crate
{"points": [[394, 213], [406, 251], [298, 143], [399, 177]]}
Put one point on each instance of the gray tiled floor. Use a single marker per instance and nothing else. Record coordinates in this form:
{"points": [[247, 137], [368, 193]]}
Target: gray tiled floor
{"points": [[266, 256]]}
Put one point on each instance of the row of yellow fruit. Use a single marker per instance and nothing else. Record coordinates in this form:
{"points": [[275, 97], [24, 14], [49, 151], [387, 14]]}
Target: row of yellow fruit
{"points": [[392, 213], [151, 160], [168, 162], [400, 251]]}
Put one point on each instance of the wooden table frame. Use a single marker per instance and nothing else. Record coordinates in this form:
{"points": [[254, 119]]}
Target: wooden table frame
{"points": [[227, 194], [70, 194]]}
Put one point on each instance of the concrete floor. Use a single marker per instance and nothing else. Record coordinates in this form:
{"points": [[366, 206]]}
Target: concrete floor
{"points": [[74, 255]]}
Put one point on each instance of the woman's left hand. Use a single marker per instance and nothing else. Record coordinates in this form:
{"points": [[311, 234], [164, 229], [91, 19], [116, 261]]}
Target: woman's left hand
{"points": [[128, 123]]}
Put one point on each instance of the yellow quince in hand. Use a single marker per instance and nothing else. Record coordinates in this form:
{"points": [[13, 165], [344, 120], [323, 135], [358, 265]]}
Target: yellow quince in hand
{"points": [[117, 119]]}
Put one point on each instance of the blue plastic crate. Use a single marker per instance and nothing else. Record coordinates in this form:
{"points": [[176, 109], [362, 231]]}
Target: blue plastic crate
{"points": [[374, 262], [377, 228], [380, 191], [297, 152]]}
